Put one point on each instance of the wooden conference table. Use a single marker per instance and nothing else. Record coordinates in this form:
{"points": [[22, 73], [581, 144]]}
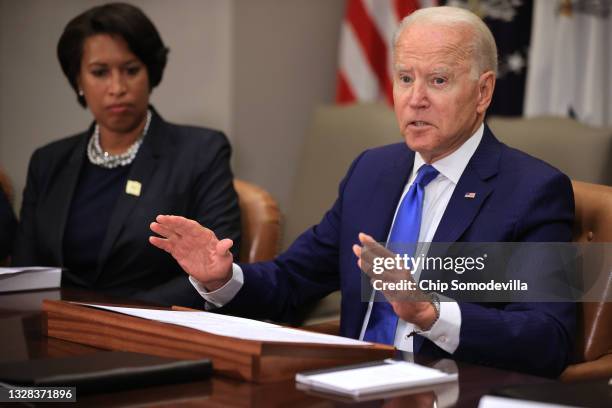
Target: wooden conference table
{"points": [[22, 339]]}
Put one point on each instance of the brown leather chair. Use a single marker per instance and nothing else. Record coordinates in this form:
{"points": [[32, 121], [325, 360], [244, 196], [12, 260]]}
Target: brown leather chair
{"points": [[260, 223], [594, 338]]}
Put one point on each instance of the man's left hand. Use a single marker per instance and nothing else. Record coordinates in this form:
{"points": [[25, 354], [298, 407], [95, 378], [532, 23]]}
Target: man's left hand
{"points": [[413, 306]]}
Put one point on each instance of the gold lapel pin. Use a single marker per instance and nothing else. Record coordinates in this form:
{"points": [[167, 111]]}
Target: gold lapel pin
{"points": [[133, 188]]}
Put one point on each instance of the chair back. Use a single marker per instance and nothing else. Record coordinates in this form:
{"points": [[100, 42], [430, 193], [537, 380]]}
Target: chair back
{"points": [[260, 219], [562, 142], [337, 135]]}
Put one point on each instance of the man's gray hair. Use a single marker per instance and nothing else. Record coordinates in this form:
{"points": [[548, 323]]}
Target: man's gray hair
{"points": [[483, 47]]}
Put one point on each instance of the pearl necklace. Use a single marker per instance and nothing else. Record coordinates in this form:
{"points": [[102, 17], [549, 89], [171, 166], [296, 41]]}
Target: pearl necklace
{"points": [[101, 158]]}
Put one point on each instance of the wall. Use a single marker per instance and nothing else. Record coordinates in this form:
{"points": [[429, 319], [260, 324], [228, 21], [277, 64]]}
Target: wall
{"points": [[284, 65]]}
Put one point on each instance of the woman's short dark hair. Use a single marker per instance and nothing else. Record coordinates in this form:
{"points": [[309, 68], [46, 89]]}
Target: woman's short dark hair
{"points": [[120, 19]]}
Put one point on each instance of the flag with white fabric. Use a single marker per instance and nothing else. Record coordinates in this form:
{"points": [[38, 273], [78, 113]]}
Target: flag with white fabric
{"points": [[570, 61], [365, 60]]}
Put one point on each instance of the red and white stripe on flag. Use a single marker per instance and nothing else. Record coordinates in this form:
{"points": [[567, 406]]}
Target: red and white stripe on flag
{"points": [[365, 66]]}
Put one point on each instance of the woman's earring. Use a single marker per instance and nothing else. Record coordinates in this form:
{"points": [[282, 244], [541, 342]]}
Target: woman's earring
{"points": [[81, 93]]}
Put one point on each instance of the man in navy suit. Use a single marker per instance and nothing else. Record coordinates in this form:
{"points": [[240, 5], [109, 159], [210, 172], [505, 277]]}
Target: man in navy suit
{"points": [[482, 191]]}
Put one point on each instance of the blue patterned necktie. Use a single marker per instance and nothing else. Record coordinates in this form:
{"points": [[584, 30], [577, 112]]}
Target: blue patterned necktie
{"points": [[405, 231]]}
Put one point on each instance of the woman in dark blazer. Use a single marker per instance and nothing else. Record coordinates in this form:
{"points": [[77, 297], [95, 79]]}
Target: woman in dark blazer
{"points": [[89, 198]]}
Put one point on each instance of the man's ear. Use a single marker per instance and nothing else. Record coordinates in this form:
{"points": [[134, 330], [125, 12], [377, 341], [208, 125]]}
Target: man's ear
{"points": [[486, 85]]}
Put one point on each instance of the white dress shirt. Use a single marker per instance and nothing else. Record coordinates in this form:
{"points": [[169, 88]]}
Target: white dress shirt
{"points": [[445, 331]]}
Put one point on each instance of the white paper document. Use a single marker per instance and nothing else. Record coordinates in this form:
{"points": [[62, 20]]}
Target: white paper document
{"points": [[389, 375], [489, 401], [231, 326], [29, 278]]}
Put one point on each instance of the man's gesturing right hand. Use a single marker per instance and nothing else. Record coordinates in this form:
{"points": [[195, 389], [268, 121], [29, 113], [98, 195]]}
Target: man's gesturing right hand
{"points": [[197, 250]]}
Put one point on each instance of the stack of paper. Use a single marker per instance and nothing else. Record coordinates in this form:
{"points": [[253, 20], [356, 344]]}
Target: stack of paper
{"points": [[388, 375], [29, 278]]}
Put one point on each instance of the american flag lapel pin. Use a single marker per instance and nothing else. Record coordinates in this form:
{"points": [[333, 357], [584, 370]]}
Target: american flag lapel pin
{"points": [[470, 195]]}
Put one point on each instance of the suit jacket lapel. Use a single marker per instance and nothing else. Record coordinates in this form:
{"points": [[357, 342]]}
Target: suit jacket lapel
{"points": [[142, 170], [462, 210], [386, 195], [58, 203]]}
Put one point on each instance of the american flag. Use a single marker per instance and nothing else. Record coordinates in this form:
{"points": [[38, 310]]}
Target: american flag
{"points": [[365, 66]]}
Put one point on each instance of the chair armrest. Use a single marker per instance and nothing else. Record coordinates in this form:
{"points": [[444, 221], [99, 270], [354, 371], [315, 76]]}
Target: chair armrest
{"points": [[600, 368]]}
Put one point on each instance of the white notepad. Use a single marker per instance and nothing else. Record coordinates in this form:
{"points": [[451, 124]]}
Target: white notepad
{"points": [[490, 401], [387, 375]]}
